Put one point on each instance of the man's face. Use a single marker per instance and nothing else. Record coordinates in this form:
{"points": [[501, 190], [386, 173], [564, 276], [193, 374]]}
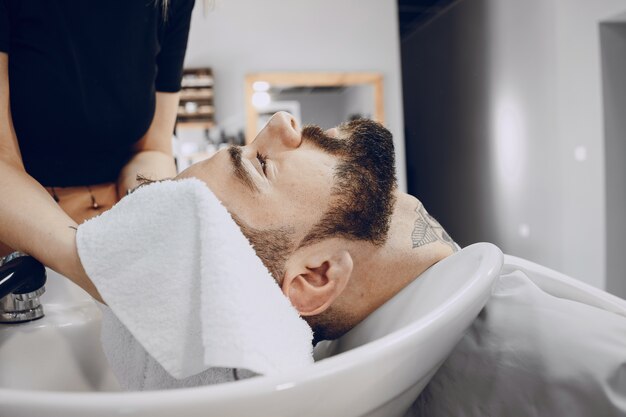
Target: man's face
{"points": [[281, 180]]}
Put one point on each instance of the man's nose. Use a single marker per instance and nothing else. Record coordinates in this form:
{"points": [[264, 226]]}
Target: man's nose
{"points": [[285, 129]]}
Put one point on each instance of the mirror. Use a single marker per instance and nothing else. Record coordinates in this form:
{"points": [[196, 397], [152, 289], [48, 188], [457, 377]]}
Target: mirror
{"points": [[321, 98]]}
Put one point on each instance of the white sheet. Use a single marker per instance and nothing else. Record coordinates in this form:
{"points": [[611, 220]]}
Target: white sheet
{"points": [[531, 353]]}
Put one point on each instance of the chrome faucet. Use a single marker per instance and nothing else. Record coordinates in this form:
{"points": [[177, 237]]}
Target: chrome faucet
{"points": [[22, 280]]}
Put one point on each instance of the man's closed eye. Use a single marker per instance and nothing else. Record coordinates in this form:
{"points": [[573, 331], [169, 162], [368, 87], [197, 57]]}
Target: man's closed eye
{"points": [[262, 159]]}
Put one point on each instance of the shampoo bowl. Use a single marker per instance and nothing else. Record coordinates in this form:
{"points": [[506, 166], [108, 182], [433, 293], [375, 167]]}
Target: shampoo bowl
{"points": [[377, 369]]}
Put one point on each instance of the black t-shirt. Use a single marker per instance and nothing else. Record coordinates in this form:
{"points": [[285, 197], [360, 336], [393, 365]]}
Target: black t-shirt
{"points": [[83, 76]]}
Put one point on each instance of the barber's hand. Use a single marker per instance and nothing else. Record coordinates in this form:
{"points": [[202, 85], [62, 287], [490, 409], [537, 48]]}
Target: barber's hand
{"points": [[153, 165]]}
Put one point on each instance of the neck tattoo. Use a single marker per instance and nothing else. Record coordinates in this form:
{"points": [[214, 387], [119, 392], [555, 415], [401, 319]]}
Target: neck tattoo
{"points": [[427, 230]]}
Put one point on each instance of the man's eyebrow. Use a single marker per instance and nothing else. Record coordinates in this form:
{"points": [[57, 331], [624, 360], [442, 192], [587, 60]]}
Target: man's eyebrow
{"points": [[240, 172]]}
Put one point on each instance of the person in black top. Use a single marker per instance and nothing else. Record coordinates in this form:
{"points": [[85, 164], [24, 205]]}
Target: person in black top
{"points": [[88, 100]]}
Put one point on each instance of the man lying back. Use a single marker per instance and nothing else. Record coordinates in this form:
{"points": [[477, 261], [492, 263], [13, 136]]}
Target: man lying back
{"points": [[323, 213]]}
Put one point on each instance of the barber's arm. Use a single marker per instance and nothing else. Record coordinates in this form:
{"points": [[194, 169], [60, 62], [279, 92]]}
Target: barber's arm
{"points": [[30, 220], [154, 159]]}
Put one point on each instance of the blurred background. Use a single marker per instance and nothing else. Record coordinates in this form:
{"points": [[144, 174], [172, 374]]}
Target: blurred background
{"points": [[508, 116]]}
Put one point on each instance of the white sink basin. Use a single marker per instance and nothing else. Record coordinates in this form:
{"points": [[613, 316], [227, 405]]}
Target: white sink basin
{"points": [[62, 350], [377, 369]]}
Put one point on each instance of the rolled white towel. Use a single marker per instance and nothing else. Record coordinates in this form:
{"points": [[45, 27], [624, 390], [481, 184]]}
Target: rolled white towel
{"points": [[180, 276]]}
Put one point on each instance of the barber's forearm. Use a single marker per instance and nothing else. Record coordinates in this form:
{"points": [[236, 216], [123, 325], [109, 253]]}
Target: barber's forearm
{"points": [[30, 220], [33, 223], [154, 165], [154, 158]]}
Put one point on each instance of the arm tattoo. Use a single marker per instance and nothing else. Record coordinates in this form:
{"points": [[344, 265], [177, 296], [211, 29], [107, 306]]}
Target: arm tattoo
{"points": [[428, 230]]}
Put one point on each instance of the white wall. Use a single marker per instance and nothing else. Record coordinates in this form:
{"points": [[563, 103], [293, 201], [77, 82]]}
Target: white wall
{"points": [[581, 123], [523, 133], [538, 182], [245, 36]]}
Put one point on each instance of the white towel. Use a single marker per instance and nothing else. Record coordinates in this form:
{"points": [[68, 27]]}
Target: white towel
{"points": [[136, 370], [176, 270]]}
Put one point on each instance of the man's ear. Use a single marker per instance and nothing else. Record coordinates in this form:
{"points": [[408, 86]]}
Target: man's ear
{"points": [[314, 282]]}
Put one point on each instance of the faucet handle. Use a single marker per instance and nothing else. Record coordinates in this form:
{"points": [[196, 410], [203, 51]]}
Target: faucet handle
{"points": [[21, 274]]}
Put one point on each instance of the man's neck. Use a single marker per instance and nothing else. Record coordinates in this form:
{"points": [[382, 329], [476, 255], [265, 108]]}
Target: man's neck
{"points": [[416, 242]]}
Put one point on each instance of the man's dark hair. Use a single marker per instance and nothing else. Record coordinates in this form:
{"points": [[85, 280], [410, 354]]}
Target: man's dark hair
{"points": [[361, 198]]}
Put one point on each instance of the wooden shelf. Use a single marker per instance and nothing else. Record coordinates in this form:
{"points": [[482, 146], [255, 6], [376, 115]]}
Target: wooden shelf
{"points": [[196, 94], [201, 111], [183, 125], [200, 82]]}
